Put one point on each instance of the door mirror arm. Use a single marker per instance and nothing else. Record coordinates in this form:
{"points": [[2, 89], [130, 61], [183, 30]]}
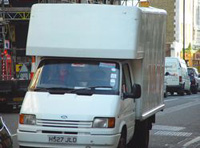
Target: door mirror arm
{"points": [[128, 95]]}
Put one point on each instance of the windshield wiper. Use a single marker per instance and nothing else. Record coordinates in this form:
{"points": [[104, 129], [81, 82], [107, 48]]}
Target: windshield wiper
{"points": [[93, 87], [59, 88], [40, 89], [53, 89]]}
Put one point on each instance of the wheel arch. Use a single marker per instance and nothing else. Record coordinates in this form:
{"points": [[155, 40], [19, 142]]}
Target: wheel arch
{"points": [[122, 126]]}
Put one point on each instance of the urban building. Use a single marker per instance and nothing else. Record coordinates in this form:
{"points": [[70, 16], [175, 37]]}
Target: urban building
{"points": [[196, 43], [183, 29], [197, 24], [169, 6]]}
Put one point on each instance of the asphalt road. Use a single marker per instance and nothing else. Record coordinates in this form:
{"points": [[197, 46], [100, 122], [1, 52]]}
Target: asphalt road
{"points": [[178, 126]]}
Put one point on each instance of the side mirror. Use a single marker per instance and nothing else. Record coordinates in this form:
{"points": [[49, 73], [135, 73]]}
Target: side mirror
{"points": [[136, 92]]}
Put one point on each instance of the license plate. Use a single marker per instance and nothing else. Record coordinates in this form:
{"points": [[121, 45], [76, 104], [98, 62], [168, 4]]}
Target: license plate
{"points": [[62, 139]]}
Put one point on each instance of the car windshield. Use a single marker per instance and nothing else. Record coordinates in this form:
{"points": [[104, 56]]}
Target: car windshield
{"points": [[65, 76], [193, 71], [190, 71]]}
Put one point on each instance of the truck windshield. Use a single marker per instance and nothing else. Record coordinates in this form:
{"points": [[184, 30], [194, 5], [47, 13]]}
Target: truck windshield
{"points": [[91, 77]]}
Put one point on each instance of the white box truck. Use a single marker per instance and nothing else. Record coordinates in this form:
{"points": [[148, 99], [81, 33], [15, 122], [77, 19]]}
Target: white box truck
{"points": [[99, 77]]}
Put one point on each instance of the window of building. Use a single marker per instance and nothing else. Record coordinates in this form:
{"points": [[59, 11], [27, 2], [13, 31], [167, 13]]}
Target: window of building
{"points": [[198, 14]]}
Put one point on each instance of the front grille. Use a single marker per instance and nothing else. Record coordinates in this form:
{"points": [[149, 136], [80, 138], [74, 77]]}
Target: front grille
{"points": [[64, 123]]}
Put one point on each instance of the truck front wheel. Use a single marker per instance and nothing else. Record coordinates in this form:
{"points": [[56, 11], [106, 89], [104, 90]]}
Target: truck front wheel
{"points": [[141, 136], [122, 140]]}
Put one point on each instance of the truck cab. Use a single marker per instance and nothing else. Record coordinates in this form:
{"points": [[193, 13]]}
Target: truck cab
{"points": [[97, 97]]}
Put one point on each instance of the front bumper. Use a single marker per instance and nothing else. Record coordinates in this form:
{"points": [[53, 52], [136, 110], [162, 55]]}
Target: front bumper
{"points": [[175, 88], [83, 140]]}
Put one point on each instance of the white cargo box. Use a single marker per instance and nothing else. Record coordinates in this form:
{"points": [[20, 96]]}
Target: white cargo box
{"points": [[85, 30], [106, 31]]}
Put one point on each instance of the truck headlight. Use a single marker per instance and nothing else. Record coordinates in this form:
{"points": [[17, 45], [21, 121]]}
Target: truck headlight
{"points": [[27, 119], [104, 123]]}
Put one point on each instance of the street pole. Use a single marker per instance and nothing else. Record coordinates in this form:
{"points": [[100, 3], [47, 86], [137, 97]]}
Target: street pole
{"points": [[184, 29], [2, 29]]}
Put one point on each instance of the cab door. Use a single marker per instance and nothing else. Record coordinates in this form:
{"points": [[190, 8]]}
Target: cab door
{"points": [[128, 103]]}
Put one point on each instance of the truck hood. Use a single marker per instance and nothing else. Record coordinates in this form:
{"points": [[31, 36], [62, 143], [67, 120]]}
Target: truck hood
{"points": [[72, 106]]}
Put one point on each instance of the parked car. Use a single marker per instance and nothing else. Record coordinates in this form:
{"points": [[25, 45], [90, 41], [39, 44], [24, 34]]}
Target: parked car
{"points": [[5, 136], [195, 79], [176, 76]]}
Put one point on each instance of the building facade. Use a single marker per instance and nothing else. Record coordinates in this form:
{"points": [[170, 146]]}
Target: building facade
{"points": [[197, 24], [169, 6], [183, 29], [175, 27]]}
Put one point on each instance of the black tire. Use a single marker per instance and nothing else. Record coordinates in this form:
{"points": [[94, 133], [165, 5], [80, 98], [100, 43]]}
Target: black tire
{"points": [[165, 95], [181, 93], [141, 136], [188, 92], [122, 140], [194, 91]]}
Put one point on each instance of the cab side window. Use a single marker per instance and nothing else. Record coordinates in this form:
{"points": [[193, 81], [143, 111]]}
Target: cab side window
{"points": [[126, 79]]}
